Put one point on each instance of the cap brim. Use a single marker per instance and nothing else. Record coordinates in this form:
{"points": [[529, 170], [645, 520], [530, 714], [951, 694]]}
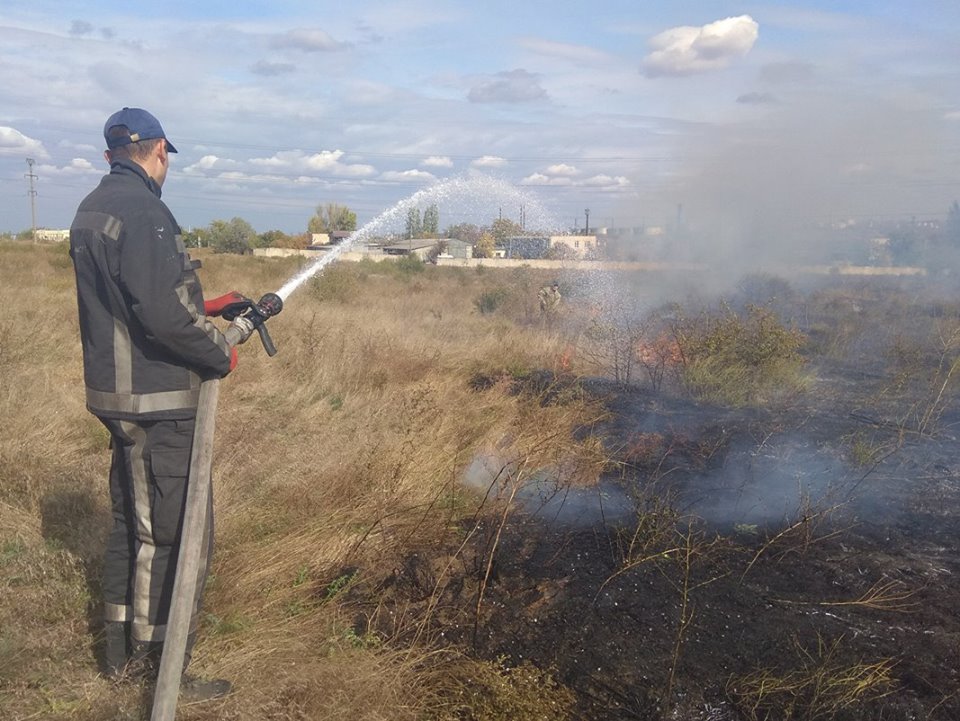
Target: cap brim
{"points": [[170, 148]]}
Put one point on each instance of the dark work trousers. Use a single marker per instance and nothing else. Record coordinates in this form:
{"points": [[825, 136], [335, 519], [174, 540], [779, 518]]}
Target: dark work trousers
{"points": [[148, 486]]}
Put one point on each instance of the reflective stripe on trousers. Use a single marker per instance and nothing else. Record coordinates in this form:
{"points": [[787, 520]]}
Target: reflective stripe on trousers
{"points": [[148, 483]]}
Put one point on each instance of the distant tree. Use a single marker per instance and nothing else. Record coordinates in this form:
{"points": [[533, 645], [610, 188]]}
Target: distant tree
{"points": [[298, 241], [331, 217], [233, 236], [502, 228], [192, 237], [271, 239], [414, 223], [467, 232], [431, 222], [484, 246], [25, 234]]}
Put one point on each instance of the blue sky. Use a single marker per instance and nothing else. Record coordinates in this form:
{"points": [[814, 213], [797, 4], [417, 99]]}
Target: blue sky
{"points": [[734, 111]]}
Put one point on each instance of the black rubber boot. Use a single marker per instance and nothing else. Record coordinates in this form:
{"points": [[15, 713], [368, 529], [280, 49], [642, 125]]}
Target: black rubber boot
{"points": [[193, 689], [115, 652]]}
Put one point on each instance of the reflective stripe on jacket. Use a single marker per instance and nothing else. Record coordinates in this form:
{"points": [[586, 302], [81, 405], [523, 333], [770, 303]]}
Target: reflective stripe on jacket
{"points": [[146, 343]]}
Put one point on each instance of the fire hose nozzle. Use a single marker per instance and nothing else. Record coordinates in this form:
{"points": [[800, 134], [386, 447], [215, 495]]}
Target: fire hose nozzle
{"points": [[267, 307]]}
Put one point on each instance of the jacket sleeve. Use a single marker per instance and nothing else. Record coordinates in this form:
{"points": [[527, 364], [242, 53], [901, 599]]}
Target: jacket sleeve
{"points": [[153, 274]]}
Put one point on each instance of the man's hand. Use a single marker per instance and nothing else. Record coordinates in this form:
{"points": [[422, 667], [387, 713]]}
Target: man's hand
{"points": [[239, 331], [228, 305]]}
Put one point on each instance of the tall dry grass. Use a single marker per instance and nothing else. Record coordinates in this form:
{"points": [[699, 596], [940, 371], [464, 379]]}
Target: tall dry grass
{"points": [[334, 461]]}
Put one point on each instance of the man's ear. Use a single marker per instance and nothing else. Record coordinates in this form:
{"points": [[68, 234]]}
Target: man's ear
{"points": [[106, 156]]}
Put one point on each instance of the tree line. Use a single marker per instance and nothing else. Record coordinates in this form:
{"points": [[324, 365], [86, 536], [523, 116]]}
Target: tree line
{"points": [[239, 236]]}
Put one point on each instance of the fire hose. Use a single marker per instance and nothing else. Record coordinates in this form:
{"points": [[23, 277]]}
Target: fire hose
{"points": [[194, 533]]}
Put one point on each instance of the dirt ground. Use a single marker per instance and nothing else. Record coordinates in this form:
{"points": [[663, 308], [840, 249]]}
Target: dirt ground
{"points": [[779, 578]]}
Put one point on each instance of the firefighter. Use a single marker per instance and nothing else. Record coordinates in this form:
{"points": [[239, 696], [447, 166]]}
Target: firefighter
{"points": [[147, 345], [549, 296]]}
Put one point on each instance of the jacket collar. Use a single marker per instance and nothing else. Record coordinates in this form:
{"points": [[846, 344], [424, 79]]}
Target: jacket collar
{"points": [[129, 167]]}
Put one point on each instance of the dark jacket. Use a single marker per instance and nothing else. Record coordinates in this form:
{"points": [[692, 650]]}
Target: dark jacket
{"points": [[146, 343]]}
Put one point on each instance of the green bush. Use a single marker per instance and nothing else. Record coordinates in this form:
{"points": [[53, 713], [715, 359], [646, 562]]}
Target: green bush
{"points": [[489, 300], [739, 359]]}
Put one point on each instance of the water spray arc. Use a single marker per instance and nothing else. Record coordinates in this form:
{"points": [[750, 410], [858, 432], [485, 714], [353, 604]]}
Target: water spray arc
{"points": [[478, 191]]}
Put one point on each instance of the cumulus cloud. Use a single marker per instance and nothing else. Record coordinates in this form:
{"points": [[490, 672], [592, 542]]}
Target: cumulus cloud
{"points": [[511, 86], [310, 40], [687, 50], [607, 181], [562, 169], [326, 161], [408, 176], [437, 161], [209, 162], [268, 69], [489, 161], [599, 182], [541, 179], [13, 142]]}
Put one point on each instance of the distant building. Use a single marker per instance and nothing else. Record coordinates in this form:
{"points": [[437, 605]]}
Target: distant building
{"points": [[53, 236], [524, 246], [334, 237], [418, 247], [456, 249], [579, 244]]}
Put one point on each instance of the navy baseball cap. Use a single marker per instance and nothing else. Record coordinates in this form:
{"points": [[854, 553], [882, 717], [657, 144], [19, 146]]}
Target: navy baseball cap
{"points": [[141, 124]]}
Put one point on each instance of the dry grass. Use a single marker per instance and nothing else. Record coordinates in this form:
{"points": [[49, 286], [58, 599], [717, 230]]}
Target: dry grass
{"points": [[823, 684], [334, 460]]}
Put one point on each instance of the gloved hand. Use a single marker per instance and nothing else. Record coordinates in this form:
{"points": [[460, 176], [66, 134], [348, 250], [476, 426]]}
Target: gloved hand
{"points": [[239, 330], [228, 305]]}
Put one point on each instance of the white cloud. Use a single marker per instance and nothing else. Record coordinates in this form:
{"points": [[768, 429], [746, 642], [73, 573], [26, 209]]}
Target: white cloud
{"points": [[541, 179], [205, 163], [13, 142], [606, 181], [489, 161], [77, 166], [562, 169], [326, 161], [406, 176], [688, 50], [437, 161]]}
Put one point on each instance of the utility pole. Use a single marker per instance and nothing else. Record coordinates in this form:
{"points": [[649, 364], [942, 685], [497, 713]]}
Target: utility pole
{"points": [[586, 231], [33, 195]]}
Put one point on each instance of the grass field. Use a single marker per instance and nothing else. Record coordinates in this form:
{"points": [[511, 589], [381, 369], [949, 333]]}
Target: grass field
{"points": [[334, 460], [363, 570]]}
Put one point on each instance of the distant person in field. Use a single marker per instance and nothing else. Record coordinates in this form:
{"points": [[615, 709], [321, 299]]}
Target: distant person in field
{"points": [[147, 345], [549, 297]]}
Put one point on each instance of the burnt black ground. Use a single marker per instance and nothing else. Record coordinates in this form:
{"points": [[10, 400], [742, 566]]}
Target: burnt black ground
{"points": [[809, 562]]}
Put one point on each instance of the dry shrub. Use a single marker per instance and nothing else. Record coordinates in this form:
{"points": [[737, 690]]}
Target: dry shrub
{"points": [[739, 359], [823, 685], [494, 691]]}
